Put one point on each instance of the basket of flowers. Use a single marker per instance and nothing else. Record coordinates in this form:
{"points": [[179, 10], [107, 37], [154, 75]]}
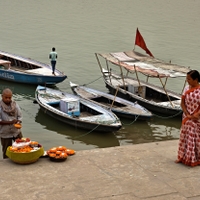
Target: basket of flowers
{"points": [[25, 151], [60, 153]]}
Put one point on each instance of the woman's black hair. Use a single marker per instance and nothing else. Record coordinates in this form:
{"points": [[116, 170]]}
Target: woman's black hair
{"points": [[194, 74]]}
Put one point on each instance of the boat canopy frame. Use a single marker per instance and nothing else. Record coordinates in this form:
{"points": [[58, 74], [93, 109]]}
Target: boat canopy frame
{"points": [[134, 62]]}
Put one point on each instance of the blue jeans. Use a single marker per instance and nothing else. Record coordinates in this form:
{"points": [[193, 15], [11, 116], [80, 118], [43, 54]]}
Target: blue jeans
{"points": [[53, 64]]}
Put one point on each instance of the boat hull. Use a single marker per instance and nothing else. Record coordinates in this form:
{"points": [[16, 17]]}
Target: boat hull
{"points": [[81, 125], [30, 78], [132, 116], [156, 109]]}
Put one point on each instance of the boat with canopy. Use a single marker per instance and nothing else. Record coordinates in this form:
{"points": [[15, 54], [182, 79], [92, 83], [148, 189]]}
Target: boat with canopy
{"points": [[122, 70]]}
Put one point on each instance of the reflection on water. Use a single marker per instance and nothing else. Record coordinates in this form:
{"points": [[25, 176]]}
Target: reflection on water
{"points": [[166, 129], [100, 140], [20, 91], [47, 130], [152, 131]]}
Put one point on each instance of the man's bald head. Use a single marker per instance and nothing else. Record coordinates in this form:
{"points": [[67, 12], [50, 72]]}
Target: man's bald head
{"points": [[7, 96], [7, 91]]}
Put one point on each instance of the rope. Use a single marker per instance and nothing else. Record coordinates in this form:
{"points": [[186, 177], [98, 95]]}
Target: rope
{"points": [[87, 132], [169, 117], [158, 116], [131, 122], [92, 81]]}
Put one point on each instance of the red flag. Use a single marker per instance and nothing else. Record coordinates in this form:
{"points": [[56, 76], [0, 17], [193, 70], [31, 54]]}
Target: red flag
{"points": [[141, 43]]}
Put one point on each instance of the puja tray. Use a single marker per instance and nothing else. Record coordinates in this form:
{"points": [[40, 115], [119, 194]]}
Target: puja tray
{"points": [[57, 159]]}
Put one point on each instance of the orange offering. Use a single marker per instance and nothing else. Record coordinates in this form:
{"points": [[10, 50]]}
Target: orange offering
{"points": [[70, 151], [57, 153], [13, 149], [53, 155], [61, 148], [24, 149], [53, 150], [17, 125], [63, 155]]}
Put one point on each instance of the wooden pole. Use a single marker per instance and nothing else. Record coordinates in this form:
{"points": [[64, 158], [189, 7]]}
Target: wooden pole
{"points": [[166, 92], [139, 87], [137, 76], [183, 87], [166, 80], [109, 71], [122, 76], [99, 63], [114, 97], [101, 68]]}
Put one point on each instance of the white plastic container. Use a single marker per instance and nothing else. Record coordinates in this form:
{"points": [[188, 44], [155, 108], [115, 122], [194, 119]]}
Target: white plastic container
{"points": [[70, 106]]}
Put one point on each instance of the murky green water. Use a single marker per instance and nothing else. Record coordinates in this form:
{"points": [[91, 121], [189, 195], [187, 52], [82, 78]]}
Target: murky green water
{"points": [[80, 28]]}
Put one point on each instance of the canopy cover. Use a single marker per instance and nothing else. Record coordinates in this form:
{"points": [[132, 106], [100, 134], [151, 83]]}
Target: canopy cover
{"points": [[149, 66]]}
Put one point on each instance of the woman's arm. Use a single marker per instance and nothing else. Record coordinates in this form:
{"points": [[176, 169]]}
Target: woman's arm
{"points": [[183, 106]]}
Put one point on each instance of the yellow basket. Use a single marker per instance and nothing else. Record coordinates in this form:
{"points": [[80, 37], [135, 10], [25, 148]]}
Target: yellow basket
{"points": [[25, 158]]}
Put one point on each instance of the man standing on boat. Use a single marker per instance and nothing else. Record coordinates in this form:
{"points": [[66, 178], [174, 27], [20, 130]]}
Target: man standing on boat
{"points": [[53, 56]]}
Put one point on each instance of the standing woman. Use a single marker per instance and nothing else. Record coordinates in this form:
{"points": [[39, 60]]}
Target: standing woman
{"points": [[53, 56], [189, 142]]}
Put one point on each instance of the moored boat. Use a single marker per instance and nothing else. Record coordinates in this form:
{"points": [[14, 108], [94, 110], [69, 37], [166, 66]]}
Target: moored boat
{"points": [[19, 69], [76, 111], [120, 106], [119, 72]]}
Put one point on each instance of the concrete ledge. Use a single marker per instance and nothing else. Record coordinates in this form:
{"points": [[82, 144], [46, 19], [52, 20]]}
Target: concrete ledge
{"points": [[142, 171]]}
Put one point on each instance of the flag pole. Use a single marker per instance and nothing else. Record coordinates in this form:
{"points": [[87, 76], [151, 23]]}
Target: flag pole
{"points": [[135, 38]]}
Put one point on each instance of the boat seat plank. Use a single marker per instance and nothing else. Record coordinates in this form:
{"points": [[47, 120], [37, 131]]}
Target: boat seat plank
{"points": [[53, 103], [15, 68], [176, 103], [5, 63], [87, 94], [43, 71]]}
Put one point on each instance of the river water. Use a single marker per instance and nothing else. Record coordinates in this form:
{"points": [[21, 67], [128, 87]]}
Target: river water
{"points": [[78, 29]]}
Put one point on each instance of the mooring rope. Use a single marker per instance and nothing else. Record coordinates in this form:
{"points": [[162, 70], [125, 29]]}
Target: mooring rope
{"points": [[82, 135], [168, 117], [92, 81], [131, 122]]}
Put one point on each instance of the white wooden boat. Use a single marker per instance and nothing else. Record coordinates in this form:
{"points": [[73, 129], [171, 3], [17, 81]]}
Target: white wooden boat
{"points": [[120, 74], [76, 111], [19, 69], [121, 107]]}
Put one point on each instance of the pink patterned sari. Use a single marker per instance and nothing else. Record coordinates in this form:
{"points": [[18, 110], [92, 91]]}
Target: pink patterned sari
{"points": [[189, 142]]}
